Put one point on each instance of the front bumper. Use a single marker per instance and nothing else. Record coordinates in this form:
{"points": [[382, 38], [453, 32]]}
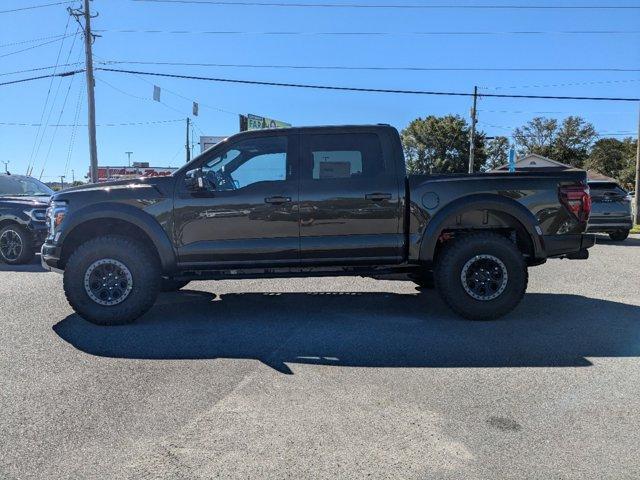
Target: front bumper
{"points": [[568, 246], [50, 257], [39, 232]]}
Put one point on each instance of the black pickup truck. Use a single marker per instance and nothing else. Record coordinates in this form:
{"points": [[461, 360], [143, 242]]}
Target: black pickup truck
{"points": [[313, 201]]}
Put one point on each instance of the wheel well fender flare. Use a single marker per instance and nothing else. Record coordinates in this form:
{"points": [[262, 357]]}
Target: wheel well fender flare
{"points": [[493, 202], [129, 214]]}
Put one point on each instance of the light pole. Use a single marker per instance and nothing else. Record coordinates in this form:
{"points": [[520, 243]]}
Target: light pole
{"points": [[129, 158]]}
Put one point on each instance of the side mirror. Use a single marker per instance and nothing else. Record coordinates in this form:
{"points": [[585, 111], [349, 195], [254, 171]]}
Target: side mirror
{"points": [[194, 180]]}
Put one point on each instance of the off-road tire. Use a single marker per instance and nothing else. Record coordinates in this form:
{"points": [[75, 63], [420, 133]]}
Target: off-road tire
{"points": [[171, 285], [619, 235], [450, 264], [26, 253], [141, 263]]}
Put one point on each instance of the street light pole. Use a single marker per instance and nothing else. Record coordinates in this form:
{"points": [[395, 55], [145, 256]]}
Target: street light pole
{"points": [[129, 158]]}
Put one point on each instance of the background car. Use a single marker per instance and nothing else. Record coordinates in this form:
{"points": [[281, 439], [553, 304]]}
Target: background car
{"points": [[23, 213], [610, 210]]}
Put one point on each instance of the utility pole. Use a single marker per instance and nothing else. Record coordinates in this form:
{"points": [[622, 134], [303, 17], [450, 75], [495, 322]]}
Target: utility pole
{"points": [[472, 139], [187, 144], [637, 196], [91, 102], [73, 177], [61, 182], [129, 157], [6, 166]]}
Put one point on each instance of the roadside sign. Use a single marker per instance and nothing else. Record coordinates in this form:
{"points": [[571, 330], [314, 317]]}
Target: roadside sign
{"points": [[256, 122]]}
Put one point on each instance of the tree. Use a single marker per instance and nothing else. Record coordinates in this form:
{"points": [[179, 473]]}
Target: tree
{"points": [[568, 143], [440, 145], [497, 152], [573, 141], [614, 158], [537, 136]]}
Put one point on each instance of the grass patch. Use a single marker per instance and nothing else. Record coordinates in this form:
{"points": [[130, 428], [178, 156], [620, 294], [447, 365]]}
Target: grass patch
{"points": [[635, 229]]}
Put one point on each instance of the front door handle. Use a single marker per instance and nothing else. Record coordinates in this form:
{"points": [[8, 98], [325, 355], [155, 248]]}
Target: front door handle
{"points": [[277, 200], [378, 197]]}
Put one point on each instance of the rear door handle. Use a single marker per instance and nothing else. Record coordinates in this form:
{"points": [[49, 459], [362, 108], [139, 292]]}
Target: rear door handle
{"points": [[378, 197], [277, 200]]}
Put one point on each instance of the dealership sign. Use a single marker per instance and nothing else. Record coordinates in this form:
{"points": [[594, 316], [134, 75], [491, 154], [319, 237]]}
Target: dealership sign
{"points": [[123, 173]]}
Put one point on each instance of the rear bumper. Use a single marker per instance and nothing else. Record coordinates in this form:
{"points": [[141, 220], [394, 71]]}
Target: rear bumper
{"points": [[607, 224], [568, 246]]}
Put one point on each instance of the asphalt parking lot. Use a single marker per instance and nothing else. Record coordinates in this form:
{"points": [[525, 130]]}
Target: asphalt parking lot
{"points": [[327, 378]]}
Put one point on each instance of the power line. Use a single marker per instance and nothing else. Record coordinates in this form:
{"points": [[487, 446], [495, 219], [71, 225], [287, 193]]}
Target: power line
{"points": [[571, 84], [599, 134], [32, 7], [364, 89], [31, 162], [35, 46], [30, 79], [395, 6], [371, 68], [33, 40], [372, 34], [38, 69], [111, 124]]}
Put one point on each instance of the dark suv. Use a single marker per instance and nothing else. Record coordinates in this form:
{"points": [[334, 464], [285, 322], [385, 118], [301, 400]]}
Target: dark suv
{"points": [[23, 226], [610, 211]]}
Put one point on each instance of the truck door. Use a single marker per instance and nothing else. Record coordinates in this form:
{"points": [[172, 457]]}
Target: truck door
{"points": [[247, 214], [349, 200]]}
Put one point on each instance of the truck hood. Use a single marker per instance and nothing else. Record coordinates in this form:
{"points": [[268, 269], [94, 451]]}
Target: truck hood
{"points": [[162, 184], [18, 200]]}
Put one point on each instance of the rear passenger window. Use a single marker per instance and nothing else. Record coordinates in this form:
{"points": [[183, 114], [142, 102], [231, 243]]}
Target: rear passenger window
{"points": [[345, 156]]}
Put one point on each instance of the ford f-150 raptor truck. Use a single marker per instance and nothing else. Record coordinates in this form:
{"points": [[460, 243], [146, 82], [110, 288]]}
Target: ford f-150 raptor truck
{"points": [[313, 201]]}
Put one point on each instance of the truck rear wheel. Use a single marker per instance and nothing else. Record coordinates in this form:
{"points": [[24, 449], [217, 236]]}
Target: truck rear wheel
{"points": [[481, 276], [111, 280]]}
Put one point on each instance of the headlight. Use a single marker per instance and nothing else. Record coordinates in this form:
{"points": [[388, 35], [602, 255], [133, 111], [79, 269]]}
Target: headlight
{"points": [[55, 216], [37, 214]]}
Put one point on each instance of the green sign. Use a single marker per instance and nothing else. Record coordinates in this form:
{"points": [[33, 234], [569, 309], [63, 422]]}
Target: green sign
{"points": [[255, 122]]}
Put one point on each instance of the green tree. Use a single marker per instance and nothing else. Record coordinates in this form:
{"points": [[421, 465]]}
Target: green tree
{"points": [[568, 142], [497, 152], [537, 136], [614, 158], [573, 141], [441, 145]]}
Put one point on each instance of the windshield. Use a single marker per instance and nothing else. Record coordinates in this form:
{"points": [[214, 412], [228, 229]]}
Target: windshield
{"points": [[23, 187]]}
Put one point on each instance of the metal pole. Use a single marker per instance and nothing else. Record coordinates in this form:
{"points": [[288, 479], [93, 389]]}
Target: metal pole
{"points": [[91, 102], [61, 182], [129, 158], [637, 196], [472, 139], [187, 144]]}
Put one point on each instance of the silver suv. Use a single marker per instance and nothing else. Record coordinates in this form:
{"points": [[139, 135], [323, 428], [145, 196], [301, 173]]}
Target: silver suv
{"points": [[610, 210]]}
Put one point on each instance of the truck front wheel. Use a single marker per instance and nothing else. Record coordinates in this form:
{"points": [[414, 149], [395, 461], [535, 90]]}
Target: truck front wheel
{"points": [[481, 276], [111, 280]]}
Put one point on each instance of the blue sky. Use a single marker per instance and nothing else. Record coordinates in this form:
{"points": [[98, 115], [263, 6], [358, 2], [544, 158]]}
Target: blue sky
{"points": [[127, 99]]}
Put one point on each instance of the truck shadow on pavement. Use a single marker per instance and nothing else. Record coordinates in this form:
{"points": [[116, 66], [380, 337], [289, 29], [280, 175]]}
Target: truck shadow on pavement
{"points": [[365, 330]]}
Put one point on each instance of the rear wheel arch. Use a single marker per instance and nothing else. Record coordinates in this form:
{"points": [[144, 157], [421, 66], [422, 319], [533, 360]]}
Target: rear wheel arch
{"points": [[490, 213]]}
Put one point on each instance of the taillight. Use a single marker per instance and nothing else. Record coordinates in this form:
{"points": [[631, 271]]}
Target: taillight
{"points": [[577, 199]]}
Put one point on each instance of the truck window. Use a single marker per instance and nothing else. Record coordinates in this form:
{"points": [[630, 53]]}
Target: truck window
{"points": [[345, 156], [247, 162]]}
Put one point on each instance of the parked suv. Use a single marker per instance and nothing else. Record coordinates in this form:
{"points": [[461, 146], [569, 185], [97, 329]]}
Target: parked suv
{"points": [[313, 201], [23, 227], [610, 210]]}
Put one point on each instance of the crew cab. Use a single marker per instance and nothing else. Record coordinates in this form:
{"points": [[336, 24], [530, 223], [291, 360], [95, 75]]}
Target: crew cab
{"points": [[313, 201]]}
